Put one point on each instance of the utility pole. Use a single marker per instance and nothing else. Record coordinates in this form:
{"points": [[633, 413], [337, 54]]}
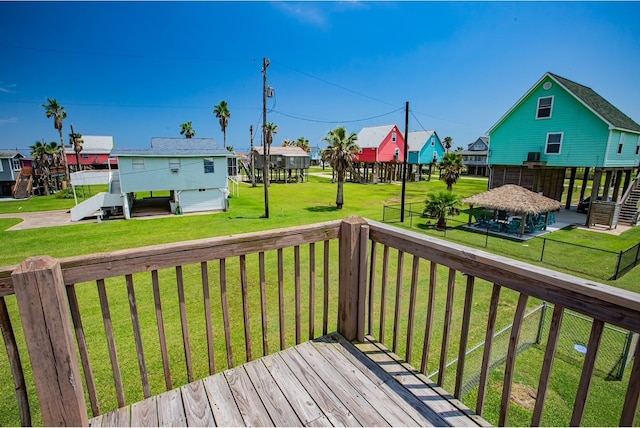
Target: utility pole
{"points": [[404, 163], [265, 145], [253, 169]]}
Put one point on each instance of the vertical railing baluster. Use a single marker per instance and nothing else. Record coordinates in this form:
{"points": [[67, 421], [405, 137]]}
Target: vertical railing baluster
{"points": [[448, 315], [415, 270], [464, 335], [587, 373], [512, 353], [372, 281], [312, 289], [281, 297], [488, 343], [325, 309], [630, 408], [547, 364], [245, 307], [82, 347], [111, 342], [137, 336], [161, 334], [184, 323], [398, 306], [204, 272], [383, 292], [428, 327], [225, 312], [296, 258], [263, 304]]}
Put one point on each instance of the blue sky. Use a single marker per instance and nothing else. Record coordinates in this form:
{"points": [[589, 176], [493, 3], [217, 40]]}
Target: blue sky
{"points": [[139, 70]]}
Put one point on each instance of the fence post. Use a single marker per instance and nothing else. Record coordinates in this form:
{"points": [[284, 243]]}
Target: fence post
{"points": [[637, 254], [354, 235], [615, 275], [541, 323], [626, 358], [44, 312], [544, 244]]}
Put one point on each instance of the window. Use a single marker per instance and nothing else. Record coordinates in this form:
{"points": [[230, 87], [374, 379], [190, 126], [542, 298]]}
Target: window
{"points": [[137, 163], [232, 167], [554, 143], [433, 141], [396, 154], [545, 104], [394, 137], [621, 142], [1, 167], [17, 164], [638, 146], [174, 164], [85, 156], [208, 166]]}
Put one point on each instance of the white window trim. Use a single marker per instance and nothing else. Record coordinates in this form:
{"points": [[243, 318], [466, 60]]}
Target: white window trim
{"points": [[638, 146], [1, 167], [621, 141], [394, 137], [15, 164], [546, 144], [551, 108], [213, 165]]}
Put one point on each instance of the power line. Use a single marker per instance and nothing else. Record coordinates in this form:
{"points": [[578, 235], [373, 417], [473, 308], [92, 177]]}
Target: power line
{"points": [[334, 121]]}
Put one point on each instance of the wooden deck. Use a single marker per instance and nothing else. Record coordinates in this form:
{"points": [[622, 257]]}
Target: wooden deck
{"points": [[325, 382]]}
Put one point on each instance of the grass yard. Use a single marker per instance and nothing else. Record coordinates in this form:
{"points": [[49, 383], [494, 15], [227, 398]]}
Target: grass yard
{"points": [[290, 204]]}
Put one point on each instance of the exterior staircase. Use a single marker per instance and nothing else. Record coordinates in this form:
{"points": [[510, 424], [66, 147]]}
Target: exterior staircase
{"points": [[23, 187], [629, 209]]}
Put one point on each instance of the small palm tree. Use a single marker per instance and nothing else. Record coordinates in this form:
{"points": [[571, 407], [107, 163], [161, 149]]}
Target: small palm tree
{"points": [[223, 114], [303, 143], [187, 130], [76, 141], [440, 205], [55, 110], [451, 166], [448, 143], [287, 143], [45, 156], [340, 154]]}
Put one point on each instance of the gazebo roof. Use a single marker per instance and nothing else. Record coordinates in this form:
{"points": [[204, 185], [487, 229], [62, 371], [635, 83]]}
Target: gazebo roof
{"points": [[515, 199]]}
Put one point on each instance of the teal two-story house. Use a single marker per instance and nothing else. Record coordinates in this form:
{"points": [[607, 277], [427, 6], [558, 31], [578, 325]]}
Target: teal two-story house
{"points": [[558, 125]]}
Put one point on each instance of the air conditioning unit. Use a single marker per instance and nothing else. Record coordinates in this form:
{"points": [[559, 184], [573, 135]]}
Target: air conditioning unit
{"points": [[533, 157]]}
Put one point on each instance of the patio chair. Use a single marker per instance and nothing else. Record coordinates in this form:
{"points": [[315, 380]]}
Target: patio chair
{"points": [[503, 215], [552, 218], [482, 221], [513, 226], [495, 226]]}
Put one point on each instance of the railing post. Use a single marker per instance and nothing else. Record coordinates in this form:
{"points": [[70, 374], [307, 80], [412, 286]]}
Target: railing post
{"points": [[44, 312], [352, 278]]}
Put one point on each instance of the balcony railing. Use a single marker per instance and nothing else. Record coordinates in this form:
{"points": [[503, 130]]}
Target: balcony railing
{"points": [[187, 310]]}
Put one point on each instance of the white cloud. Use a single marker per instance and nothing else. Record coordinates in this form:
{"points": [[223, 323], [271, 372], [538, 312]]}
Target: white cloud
{"points": [[9, 120], [306, 13], [5, 88]]}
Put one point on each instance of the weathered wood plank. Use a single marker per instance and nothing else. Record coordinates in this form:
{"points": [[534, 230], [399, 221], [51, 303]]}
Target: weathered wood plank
{"points": [[196, 405], [296, 283], [349, 277], [204, 272], [137, 336], [364, 411], [161, 334], [312, 290], [170, 409], [396, 396], [118, 418], [184, 323], [111, 342], [325, 309], [281, 305], [398, 306], [225, 311], [383, 292], [249, 404], [263, 304], [547, 364], [244, 284], [632, 398], [415, 272], [423, 388], [464, 335], [310, 398], [488, 343], [372, 283], [301, 402], [223, 406], [281, 412], [145, 413], [428, 328], [587, 373], [446, 334], [362, 282]]}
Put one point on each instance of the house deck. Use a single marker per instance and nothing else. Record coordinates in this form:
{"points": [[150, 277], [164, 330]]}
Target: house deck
{"points": [[325, 382]]}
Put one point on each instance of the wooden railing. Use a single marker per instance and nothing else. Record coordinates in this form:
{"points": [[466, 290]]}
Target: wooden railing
{"points": [[172, 309]]}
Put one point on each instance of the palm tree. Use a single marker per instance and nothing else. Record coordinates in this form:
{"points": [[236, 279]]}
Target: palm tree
{"points": [[55, 110], [187, 130], [451, 166], [439, 205], [223, 114], [269, 130], [303, 143], [448, 143], [75, 139], [287, 143], [45, 156], [340, 153]]}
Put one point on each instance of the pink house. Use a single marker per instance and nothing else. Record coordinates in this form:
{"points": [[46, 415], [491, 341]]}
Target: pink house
{"points": [[381, 154]]}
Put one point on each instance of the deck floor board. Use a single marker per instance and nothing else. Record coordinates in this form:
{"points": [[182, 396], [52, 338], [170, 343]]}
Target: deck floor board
{"points": [[325, 382]]}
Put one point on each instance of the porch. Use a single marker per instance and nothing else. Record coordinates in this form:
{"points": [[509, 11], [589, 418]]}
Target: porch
{"points": [[112, 336]]}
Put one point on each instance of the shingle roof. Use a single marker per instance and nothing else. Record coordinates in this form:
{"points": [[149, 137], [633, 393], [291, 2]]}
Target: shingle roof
{"points": [[372, 136], [96, 144], [9, 154], [284, 151], [598, 104], [178, 147], [417, 139]]}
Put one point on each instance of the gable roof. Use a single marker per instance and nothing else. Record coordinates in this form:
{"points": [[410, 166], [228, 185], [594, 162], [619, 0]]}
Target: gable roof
{"points": [[177, 147], [372, 136], [10, 154], [599, 105], [284, 151], [589, 98], [96, 144], [417, 139]]}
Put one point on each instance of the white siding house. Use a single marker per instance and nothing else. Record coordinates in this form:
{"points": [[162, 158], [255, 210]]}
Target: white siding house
{"points": [[194, 169]]}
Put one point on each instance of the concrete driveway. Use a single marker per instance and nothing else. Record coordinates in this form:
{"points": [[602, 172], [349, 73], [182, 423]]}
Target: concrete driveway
{"points": [[32, 220]]}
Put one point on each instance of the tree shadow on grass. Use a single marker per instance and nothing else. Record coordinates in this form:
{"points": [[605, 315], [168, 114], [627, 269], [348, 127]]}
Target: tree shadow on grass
{"points": [[321, 209]]}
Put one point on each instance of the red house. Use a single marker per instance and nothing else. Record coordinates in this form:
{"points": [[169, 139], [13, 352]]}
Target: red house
{"points": [[381, 151], [94, 155]]}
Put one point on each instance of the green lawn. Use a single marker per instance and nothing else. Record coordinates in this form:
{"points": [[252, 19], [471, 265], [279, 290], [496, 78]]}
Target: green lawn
{"points": [[291, 204]]}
